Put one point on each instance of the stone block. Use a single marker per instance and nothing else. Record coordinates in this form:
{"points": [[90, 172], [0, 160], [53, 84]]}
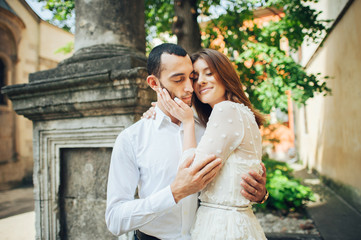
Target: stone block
{"points": [[82, 194]]}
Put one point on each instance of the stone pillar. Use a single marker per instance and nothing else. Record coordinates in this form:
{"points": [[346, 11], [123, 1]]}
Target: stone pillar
{"points": [[110, 22], [77, 110]]}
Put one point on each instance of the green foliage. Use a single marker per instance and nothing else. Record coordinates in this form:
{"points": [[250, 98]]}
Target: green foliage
{"points": [[68, 48], [266, 70], [63, 12], [271, 74], [159, 16], [286, 192]]}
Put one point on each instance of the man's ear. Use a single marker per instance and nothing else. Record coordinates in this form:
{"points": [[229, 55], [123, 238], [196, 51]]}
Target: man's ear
{"points": [[153, 82]]}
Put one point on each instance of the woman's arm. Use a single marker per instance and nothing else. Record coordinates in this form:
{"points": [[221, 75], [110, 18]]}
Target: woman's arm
{"points": [[150, 113], [178, 109], [189, 138], [224, 131]]}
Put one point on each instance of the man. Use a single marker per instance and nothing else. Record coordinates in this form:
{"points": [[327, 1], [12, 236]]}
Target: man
{"points": [[147, 155]]}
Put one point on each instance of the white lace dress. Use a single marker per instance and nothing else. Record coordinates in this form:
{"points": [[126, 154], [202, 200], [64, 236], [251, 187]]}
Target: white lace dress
{"points": [[232, 134]]}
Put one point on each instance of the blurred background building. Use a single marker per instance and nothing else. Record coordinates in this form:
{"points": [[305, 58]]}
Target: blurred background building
{"points": [[27, 44], [328, 137]]}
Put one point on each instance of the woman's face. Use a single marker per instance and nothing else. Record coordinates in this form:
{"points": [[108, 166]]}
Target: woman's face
{"points": [[207, 88]]}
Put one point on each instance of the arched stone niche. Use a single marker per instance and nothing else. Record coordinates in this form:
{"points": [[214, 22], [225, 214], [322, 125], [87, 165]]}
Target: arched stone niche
{"points": [[11, 27]]}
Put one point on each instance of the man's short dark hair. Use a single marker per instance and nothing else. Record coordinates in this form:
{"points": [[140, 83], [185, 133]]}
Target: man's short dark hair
{"points": [[154, 64]]}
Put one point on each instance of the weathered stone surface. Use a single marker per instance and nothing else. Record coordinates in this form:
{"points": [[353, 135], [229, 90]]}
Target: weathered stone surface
{"points": [[84, 220], [88, 94], [110, 22], [82, 194], [84, 172], [51, 139], [78, 109], [93, 60]]}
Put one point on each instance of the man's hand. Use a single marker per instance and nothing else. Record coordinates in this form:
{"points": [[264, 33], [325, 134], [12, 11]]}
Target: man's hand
{"points": [[192, 179], [254, 186]]}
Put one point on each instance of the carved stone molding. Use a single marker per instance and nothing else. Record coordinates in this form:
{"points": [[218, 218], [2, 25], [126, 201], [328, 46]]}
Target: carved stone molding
{"points": [[47, 169], [82, 95]]}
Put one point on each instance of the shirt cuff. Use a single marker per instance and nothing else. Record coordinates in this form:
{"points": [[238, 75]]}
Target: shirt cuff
{"points": [[162, 200]]}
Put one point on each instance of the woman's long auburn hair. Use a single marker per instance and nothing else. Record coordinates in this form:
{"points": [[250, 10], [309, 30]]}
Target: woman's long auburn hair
{"points": [[224, 72]]}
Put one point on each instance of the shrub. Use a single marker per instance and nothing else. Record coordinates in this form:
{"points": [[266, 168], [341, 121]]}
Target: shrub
{"points": [[286, 192]]}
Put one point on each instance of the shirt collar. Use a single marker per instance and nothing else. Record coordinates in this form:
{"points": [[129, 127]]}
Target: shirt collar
{"points": [[160, 117]]}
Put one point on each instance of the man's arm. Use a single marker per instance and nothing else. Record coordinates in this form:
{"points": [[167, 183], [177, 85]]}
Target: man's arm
{"points": [[123, 212], [193, 178]]}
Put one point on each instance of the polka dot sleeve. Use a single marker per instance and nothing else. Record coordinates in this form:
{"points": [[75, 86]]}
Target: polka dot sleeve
{"points": [[224, 131]]}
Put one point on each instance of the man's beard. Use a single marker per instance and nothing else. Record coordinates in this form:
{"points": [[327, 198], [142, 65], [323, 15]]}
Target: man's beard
{"points": [[172, 95]]}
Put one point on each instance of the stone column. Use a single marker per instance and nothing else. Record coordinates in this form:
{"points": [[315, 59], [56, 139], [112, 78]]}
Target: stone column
{"points": [[110, 22], [77, 110]]}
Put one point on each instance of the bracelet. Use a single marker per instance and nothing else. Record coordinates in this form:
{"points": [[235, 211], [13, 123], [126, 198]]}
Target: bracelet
{"points": [[264, 198]]}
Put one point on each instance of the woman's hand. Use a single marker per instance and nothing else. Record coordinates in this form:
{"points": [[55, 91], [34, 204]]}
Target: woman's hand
{"points": [[177, 108], [150, 113]]}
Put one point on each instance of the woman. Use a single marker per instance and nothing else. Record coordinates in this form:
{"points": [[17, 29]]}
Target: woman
{"points": [[232, 133]]}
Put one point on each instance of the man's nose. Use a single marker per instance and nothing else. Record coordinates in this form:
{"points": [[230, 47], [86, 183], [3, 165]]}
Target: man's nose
{"points": [[188, 86]]}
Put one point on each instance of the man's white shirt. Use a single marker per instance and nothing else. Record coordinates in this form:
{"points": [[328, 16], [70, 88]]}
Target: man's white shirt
{"points": [[147, 155]]}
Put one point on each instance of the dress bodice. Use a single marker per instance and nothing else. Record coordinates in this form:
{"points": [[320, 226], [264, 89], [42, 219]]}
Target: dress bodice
{"points": [[233, 135]]}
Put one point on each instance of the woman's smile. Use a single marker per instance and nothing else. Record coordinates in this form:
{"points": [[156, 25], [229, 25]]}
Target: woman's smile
{"points": [[205, 90]]}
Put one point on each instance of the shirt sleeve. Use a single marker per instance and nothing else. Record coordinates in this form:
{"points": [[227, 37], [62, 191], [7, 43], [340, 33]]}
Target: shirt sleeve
{"points": [[224, 132], [124, 213]]}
